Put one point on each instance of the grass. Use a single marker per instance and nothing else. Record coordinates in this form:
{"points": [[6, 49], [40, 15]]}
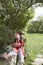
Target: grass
{"points": [[34, 45]]}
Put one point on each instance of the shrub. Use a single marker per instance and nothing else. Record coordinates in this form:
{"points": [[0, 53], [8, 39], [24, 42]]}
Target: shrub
{"points": [[41, 28], [35, 27]]}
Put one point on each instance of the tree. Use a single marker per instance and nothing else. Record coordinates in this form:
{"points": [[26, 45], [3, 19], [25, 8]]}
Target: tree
{"points": [[36, 26], [14, 15]]}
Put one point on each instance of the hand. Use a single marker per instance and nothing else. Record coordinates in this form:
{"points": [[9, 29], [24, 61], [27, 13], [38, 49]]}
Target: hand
{"points": [[17, 44], [5, 55]]}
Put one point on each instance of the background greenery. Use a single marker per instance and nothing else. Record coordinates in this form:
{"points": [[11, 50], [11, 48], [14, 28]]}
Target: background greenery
{"points": [[36, 26]]}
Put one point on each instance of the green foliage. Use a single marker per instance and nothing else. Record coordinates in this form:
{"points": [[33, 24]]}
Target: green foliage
{"points": [[35, 27], [14, 15], [41, 28], [6, 36]]}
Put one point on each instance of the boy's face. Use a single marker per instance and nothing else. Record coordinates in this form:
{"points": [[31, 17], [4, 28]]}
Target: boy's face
{"points": [[17, 36]]}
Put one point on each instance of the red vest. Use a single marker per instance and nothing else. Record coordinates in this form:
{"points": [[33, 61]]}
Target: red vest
{"points": [[21, 43]]}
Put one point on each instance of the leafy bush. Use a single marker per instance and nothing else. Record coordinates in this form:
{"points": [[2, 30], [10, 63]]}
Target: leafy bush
{"points": [[6, 36], [41, 28], [16, 15], [35, 27]]}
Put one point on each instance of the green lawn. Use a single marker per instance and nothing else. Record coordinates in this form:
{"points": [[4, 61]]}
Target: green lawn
{"points": [[34, 44]]}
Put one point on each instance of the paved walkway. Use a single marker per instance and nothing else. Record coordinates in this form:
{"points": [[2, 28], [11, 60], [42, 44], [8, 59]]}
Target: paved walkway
{"points": [[38, 60]]}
